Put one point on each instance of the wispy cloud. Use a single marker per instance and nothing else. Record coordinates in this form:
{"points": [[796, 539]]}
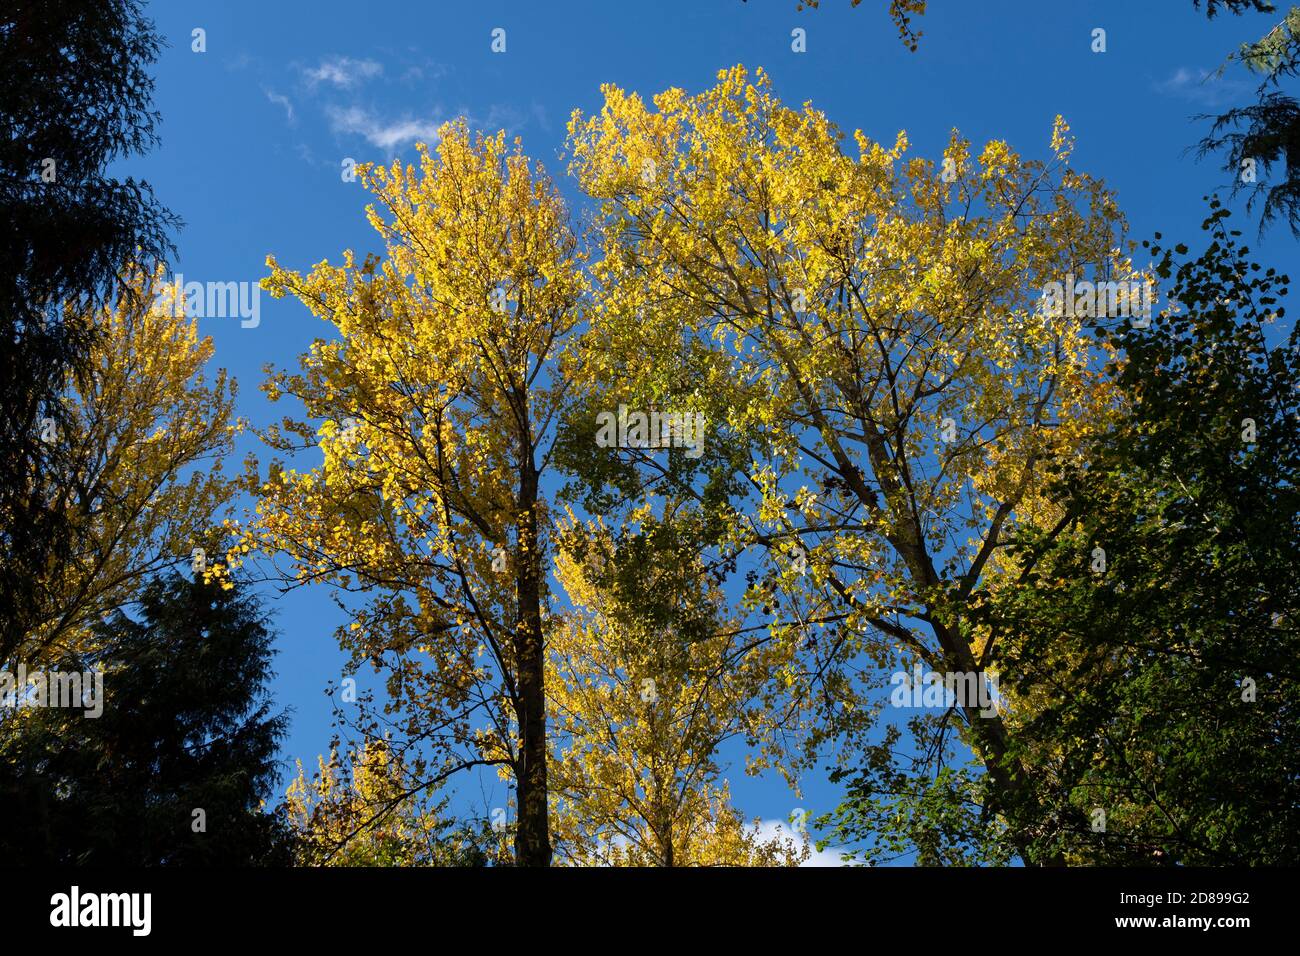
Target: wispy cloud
{"points": [[508, 117], [386, 134], [427, 70], [279, 99], [1206, 88], [343, 72]]}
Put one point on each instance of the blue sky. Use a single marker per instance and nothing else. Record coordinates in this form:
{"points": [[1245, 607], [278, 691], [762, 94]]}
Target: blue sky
{"points": [[255, 129]]}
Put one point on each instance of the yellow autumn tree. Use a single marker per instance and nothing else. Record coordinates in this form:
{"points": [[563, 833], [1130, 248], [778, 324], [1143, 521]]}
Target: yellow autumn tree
{"points": [[137, 467], [871, 329], [649, 682], [360, 809], [435, 402]]}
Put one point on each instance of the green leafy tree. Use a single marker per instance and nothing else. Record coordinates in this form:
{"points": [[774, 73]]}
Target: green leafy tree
{"points": [[1157, 699]]}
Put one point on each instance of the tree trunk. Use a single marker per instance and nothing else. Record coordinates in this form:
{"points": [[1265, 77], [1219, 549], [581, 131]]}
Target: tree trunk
{"points": [[533, 835], [1014, 792]]}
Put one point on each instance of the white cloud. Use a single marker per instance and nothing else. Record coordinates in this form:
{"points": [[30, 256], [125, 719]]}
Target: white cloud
{"points": [[279, 99], [343, 71], [1207, 88], [774, 829], [387, 135]]}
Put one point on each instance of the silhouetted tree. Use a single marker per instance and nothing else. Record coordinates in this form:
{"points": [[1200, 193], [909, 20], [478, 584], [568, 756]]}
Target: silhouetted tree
{"points": [[185, 727], [76, 96], [1260, 143]]}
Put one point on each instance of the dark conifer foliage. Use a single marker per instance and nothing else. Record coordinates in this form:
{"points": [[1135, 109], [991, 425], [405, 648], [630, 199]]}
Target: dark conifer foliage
{"points": [[186, 726], [75, 97]]}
